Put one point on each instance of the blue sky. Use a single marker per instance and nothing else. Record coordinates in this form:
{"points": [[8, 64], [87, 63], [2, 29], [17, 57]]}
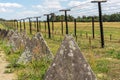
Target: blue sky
{"points": [[16, 9]]}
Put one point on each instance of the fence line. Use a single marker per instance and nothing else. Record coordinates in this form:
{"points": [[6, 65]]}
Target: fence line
{"points": [[49, 24]]}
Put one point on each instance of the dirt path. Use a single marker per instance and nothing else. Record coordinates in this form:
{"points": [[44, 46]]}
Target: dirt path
{"points": [[3, 64]]}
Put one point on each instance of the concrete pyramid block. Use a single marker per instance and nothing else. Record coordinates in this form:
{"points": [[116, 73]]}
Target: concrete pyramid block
{"points": [[35, 49], [69, 63]]}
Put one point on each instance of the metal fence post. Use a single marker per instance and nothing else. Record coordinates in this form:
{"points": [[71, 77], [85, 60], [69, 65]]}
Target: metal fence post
{"points": [[20, 26], [67, 32], [93, 32], [30, 25], [75, 26], [24, 24], [100, 20], [49, 33]]}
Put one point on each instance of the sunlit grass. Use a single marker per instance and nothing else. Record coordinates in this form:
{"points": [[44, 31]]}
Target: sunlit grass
{"points": [[105, 62]]}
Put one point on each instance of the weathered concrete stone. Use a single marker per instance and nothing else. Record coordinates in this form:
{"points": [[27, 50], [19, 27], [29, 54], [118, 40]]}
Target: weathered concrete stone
{"points": [[25, 57], [69, 63], [35, 49], [17, 41], [44, 47], [10, 33], [3, 33]]}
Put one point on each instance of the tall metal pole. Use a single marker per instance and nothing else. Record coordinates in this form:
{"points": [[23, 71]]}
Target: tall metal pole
{"points": [[93, 32], [48, 26], [49, 33], [37, 24], [20, 26], [52, 26], [52, 14], [100, 20], [66, 20], [101, 25], [45, 26], [40, 25], [14, 24], [24, 24], [75, 26], [62, 26], [30, 25], [17, 24]]}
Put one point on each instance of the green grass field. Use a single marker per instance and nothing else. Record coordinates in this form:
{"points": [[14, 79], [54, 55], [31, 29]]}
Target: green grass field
{"points": [[105, 62]]}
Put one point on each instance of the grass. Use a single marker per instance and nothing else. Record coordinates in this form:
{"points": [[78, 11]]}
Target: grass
{"points": [[1, 26], [10, 56], [101, 60], [105, 62], [34, 70], [98, 58]]}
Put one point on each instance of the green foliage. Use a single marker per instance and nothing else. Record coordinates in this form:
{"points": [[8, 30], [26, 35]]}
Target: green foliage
{"points": [[1, 19], [113, 53], [7, 49], [106, 18], [13, 66], [102, 61], [11, 57], [58, 18], [35, 70], [118, 55], [9, 71], [102, 66]]}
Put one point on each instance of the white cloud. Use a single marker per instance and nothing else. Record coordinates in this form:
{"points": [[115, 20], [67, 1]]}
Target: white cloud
{"points": [[49, 6], [73, 3], [3, 10], [77, 2], [29, 12], [80, 8], [38, 6], [112, 1], [53, 4], [25, 14], [9, 5]]}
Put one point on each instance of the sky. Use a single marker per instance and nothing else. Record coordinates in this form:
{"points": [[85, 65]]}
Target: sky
{"points": [[18, 9]]}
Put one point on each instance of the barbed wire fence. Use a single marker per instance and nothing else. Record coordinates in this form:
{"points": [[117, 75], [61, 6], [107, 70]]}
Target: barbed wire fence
{"points": [[84, 22]]}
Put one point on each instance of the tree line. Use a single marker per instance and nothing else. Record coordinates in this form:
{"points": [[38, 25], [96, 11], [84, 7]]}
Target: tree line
{"points": [[106, 18], [1, 19]]}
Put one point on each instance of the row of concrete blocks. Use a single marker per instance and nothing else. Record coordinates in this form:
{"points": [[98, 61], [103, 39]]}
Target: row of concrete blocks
{"points": [[68, 64], [33, 48]]}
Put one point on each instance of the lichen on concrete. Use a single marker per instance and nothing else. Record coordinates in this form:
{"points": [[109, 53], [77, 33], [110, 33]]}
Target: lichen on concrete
{"points": [[69, 63], [35, 49]]}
